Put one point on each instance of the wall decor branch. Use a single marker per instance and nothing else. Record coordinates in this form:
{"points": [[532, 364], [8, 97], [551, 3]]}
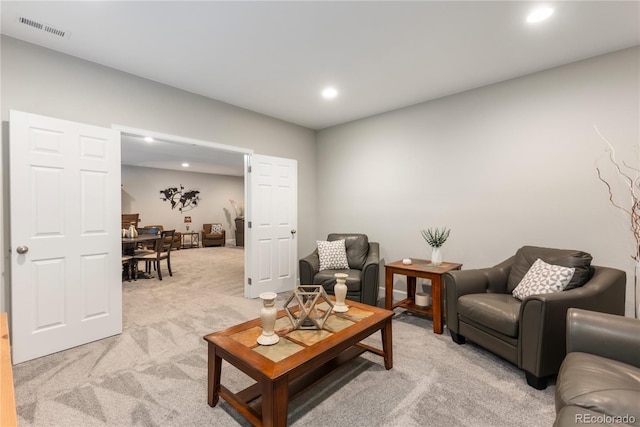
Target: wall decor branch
{"points": [[632, 184], [183, 200], [630, 178]]}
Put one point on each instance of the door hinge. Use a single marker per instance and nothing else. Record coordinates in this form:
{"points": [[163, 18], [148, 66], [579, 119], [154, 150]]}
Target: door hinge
{"points": [[248, 168], [249, 280], [249, 224]]}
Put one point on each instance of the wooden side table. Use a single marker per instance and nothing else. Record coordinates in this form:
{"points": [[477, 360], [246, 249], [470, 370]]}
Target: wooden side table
{"points": [[194, 240], [424, 269]]}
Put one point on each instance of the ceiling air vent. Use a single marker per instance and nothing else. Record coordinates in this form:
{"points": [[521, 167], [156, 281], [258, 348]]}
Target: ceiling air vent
{"points": [[54, 31], [30, 22], [45, 27]]}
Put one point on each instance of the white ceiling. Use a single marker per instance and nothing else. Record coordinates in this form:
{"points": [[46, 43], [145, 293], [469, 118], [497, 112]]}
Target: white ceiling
{"points": [[168, 154], [275, 57]]}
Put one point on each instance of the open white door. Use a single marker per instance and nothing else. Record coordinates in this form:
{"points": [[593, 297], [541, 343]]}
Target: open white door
{"points": [[66, 285], [271, 221]]}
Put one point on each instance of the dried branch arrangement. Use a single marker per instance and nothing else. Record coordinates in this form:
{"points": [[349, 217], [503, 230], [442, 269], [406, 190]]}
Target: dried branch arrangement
{"points": [[632, 184]]}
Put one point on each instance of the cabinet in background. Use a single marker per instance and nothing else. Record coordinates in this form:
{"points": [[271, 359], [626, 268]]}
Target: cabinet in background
{"points": [[239, 231]]}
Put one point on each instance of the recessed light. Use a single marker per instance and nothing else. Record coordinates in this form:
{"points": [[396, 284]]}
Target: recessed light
{"points": [[329, 93], [148, 139], [185, 165], [539, 15]]}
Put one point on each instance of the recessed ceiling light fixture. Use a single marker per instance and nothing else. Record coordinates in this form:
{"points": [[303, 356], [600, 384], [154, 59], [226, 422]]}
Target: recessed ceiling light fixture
{"points": [[329, 93], [185, 165], [148, 139], [539, 14]]}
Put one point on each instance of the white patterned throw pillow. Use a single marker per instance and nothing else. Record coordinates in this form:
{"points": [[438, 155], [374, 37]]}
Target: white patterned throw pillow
{"points": [[333, 255], [543, 278], [216, 228]]}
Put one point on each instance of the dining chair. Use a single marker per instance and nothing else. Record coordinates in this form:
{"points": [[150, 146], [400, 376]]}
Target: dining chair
{"points": [[162, 251], [127, 265]]}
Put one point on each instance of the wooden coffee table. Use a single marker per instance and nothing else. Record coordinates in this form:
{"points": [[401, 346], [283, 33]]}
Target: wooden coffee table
{"points": [[301, 358]]}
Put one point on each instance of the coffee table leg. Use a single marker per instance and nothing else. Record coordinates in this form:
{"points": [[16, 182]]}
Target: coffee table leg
{"points": [[275, 401], [387, 344], [436, 301], [214, 372]]}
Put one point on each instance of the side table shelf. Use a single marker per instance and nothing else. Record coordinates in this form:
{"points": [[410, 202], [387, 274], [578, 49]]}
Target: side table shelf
{"points": [[424, 269]]}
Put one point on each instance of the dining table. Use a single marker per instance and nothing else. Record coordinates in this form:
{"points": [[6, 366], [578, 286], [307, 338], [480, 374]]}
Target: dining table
{"points": [[129, 243]]}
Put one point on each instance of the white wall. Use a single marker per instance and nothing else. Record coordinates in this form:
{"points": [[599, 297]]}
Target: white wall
{"points": [[503, 166], [42, 81], [141, 194]]}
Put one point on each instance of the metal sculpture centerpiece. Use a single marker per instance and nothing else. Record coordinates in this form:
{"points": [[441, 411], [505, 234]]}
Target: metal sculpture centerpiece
{"points": [[308, 315]]}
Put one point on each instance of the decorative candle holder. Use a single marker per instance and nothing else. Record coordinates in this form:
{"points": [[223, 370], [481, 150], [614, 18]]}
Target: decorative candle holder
{"points": [[340, 291], [268, 314]]}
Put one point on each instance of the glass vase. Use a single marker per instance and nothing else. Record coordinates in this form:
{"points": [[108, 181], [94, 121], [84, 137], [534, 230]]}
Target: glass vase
{"points": [[436, 256]]}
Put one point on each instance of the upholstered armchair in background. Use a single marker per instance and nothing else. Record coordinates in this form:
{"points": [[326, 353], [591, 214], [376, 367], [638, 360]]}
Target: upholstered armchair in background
{"points": [[528, 332], [213, 235], [363, 266]]}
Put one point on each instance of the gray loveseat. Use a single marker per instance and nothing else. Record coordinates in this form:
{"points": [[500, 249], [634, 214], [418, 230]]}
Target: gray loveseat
{"points": [[364, 264], [599, 380]]}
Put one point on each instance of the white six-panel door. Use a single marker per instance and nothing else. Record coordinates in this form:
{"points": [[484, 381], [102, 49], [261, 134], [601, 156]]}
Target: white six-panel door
{"points": [[271, 225], [66, 287]]}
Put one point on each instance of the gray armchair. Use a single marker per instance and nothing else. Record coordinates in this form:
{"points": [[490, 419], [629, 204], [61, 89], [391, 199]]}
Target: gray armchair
{"points": [[529, 333], [364, 264], [601, 374]]}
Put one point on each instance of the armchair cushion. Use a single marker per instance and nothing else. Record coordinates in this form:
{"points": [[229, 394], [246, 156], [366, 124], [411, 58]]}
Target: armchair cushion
{"points": [[333, 255], [527, 255], [600, 376], [499, 312], [543, 278], [600, 384]]}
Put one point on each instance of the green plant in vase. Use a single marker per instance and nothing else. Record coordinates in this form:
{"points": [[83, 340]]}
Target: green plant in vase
{"points": [[435, 237]]}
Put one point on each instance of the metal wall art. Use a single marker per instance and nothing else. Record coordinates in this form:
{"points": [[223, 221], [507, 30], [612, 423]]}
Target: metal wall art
{"points": [[183, 200]]}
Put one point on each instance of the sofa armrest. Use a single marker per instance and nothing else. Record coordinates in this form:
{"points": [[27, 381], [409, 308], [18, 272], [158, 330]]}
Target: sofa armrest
{"points": [[462, 282], [309, 266], [606, 335], [543, 318], [370, 271]]}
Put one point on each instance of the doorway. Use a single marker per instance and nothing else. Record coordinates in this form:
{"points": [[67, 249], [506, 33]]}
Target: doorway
{"points": [[176, 155]]}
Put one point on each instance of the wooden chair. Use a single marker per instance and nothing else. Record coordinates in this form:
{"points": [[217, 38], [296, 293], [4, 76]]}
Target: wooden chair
{"points": [[162, 251], [129, 219], [127, 265]]}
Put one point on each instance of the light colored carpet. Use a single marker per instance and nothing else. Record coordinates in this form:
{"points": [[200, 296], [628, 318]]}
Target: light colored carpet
{"points": [[155, 372]]}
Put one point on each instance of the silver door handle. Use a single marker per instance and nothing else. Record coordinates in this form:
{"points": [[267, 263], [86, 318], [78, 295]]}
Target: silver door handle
{"points": [[22, 249], [293, 231]]}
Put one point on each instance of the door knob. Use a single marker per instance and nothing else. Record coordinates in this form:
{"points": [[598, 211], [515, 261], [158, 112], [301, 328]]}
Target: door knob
{"points": [[293, 231], [22, 249]]}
